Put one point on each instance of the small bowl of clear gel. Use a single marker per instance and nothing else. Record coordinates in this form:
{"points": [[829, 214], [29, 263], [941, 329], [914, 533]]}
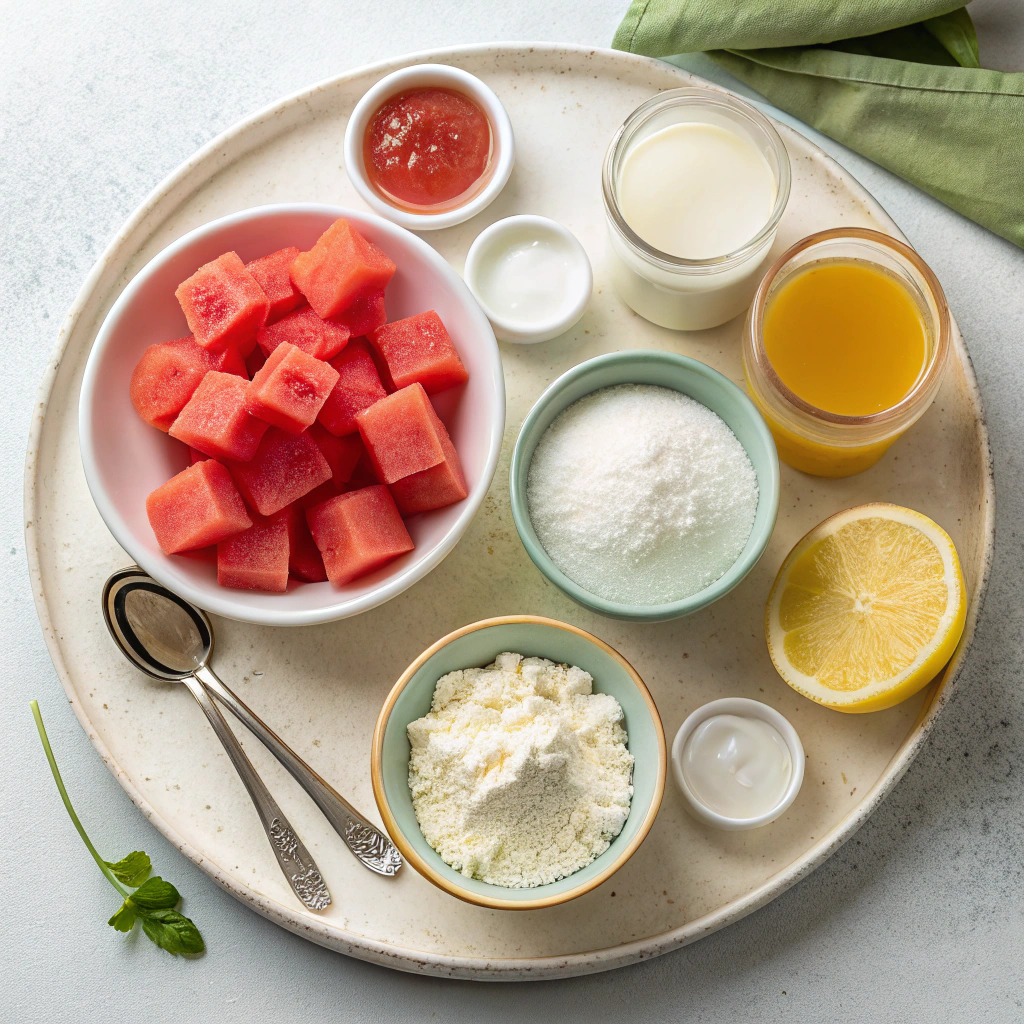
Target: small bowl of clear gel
{"points": [[738, 763], [531, 276]]}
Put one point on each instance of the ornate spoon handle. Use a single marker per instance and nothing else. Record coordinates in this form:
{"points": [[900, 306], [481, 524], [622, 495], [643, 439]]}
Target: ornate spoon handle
{"points": [[298, 866], [371, 847]]}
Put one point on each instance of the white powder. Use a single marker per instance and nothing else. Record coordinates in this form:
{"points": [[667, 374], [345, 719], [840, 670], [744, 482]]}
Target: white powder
{"points": [[641, 495], [520, 773]]}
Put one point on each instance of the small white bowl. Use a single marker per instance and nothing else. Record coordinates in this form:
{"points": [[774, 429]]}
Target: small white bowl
{"points": [[125, 458], [744, 707], [491, 240], [421, 76]]}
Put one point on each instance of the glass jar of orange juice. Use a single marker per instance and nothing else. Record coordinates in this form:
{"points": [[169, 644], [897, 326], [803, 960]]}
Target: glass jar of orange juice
{"points": [[844, 348]]}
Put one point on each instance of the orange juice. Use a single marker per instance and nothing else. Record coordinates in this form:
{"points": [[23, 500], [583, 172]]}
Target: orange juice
{"points": [[846, 337]]}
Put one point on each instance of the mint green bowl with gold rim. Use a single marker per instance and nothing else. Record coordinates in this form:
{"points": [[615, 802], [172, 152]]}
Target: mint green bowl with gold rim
{"points": [[668, 370], [476, 645]]}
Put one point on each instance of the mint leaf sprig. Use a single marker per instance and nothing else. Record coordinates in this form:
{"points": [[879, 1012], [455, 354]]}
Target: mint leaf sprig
{"points": [[153, 901]]}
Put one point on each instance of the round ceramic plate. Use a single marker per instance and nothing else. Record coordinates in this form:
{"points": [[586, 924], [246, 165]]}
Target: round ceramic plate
{"points": [[321, 687]]}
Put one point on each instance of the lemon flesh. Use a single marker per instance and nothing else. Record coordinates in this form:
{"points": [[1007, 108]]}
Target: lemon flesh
{"points": [[867, 608]]}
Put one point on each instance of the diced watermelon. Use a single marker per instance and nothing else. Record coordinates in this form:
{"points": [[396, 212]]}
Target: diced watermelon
{"points": [[358, 386], [441, 485], [357, 532], [341, 267], [320, 494], [341, 453], [304, 558], [291, 388], [195, 456], [227, 360], [402, 434], [364, 475], [168, 373], [272, 274], [284, 468], [257, 558], [223, 304], [198, 507], [305, 330], [419, 350], [254, 361], [216, 421], [366, 314]]}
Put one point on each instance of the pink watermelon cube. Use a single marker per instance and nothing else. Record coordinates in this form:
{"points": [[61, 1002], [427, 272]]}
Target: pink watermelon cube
{"points": [[198, 507], [366, 314], [304, 559], [257, 558], [284, 468], [290, 388], [223, 304], [358, 386], [341, 453], [441, 485], [418, 350], [357, 532], [272, 274], [402, 434], [305, 330], [216, 422], [341, 267], [166, 376]]}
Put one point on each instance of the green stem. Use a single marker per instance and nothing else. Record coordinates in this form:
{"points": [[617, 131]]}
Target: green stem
{"points": [[67, 802]]}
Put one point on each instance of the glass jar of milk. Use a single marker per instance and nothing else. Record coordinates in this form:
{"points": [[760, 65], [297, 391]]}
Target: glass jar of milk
{"points": [[695, 183]]}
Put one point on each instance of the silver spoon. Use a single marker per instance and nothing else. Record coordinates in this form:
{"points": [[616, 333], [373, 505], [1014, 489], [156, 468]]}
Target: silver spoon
{"points": [[170, 639]]}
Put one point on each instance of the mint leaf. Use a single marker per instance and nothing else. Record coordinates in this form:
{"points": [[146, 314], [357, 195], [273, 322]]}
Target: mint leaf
{"points": [[123, 920], [155, 894], [172, 931], [132, 870]]}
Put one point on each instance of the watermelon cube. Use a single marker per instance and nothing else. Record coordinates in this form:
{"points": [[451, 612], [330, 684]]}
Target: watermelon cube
{"points": [[441, 485], [341, 453], [257, 558], [272, 274], [358, 386], [304, 558], [419, 350], [290, 388], [366, 314], [341, 267], [198, 507], [402, 434], [223, 304], [304, 329], [166, 376], [284, 468], [216, 422], [357, 532]]}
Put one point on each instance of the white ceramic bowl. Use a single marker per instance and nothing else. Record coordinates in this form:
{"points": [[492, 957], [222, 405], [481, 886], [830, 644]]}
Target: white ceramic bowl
{"points": [[489, 244], [125, 458], [745, 707], [421, 76]]}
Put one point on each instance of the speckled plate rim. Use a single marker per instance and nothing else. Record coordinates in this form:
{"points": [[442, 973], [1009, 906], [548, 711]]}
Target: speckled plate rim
{"points": [[177, 186], [409, 852]]}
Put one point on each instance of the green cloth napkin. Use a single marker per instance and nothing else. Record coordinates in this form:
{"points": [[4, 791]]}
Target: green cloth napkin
{"points": [[896, 80]]}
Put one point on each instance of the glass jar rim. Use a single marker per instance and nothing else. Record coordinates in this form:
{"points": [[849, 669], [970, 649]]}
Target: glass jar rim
{"points": [[694, 96], [925, 381]]}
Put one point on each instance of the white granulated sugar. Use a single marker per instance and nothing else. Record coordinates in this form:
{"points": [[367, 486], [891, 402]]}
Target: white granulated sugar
{"points": [[519, 773], [641, 495]]}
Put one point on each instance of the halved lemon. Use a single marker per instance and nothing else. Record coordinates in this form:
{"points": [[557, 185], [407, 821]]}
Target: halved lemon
{"points": [[867, 608]]}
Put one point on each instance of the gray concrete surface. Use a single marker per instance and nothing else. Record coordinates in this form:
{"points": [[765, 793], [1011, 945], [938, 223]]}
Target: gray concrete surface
{"points": [[919, 918]]}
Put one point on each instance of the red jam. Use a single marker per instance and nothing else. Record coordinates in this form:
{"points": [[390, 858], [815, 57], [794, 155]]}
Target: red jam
{"points": [[427, 148]]}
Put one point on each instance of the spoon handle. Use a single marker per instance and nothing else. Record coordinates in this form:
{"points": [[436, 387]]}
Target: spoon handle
{"points": [[371, 847], [298, 866]]}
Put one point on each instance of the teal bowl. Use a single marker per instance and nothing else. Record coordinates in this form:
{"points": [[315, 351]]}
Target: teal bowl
{"points": [[700, 382], [477, 645]]}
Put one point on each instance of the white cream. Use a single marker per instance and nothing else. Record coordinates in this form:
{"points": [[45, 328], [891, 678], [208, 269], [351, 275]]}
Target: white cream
{"points": [[737, 766], [696, 190]]}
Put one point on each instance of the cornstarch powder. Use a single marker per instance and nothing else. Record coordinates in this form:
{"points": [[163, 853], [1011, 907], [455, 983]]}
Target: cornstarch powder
{"points": [[641, 495], [519, 773]]}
